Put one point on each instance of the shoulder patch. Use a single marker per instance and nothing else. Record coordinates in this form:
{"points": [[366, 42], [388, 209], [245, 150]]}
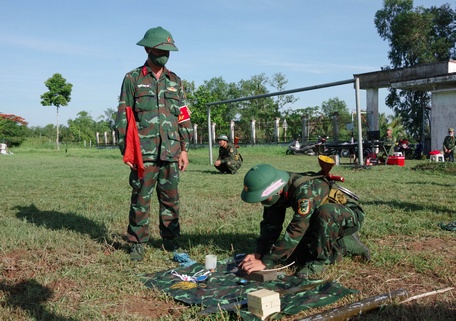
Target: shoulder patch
{"points": [[231, 150], [303, 206]]}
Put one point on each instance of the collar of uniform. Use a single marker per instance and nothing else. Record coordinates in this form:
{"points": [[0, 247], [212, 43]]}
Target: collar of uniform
{"points": [[147, 70], [285, 191]]}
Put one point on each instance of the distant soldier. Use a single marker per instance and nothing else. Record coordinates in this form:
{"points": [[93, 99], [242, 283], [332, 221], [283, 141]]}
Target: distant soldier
{"points": [[448, 146], [229, 159], [389, 141], [323, 228]]}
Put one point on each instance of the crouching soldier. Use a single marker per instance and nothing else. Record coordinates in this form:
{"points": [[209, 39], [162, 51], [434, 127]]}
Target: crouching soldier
{"points": [[229, 159], [323, 228]]}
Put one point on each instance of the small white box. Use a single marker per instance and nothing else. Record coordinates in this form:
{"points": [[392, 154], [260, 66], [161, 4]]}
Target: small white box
{"points": [[263, 302], [263, 314]]}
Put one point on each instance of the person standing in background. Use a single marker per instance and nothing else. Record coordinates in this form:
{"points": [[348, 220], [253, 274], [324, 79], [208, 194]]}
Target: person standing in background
{"points": [[448, 146]]}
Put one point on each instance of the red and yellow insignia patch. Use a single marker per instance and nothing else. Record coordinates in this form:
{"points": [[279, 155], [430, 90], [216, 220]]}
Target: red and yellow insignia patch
{"points": [[303, 206], [184, 114]]}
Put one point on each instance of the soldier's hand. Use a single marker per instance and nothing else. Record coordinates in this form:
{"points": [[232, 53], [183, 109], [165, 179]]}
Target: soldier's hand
{"points": [[183, 161], [252, 263], [132, 166]]}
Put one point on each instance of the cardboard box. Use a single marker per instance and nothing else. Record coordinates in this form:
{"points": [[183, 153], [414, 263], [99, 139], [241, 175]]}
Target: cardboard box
{"points": [[262, 313], [396, 160], [263, 303], [261, 297]]}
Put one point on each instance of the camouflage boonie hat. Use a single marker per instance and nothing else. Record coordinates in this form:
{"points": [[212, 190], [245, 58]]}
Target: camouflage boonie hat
{"points": [[261, 182], [451, 129], [223, 137], [158, 38]]}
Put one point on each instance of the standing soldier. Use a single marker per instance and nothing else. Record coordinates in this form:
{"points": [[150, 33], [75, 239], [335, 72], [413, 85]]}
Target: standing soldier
{"points": [[324, 225], [389, 141], [229, 159], [154, 132], [448, 146]]}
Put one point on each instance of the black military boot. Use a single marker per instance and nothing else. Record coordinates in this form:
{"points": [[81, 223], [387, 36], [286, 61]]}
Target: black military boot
{"points": [[170, 245]]}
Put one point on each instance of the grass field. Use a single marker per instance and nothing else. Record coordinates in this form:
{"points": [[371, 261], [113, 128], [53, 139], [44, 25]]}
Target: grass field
{"points": [[64, 254]]}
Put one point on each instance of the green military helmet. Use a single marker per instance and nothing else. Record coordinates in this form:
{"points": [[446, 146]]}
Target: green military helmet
{"points": [[263, 181], [223, 137], [158, 38]]}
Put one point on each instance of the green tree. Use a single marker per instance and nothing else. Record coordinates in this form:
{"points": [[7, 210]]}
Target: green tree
{"points": [[416, 36], [260, 109], [294, 118], [59, 94], [335, 108], [278, 82], [82, 128], [109, 116], [13, 129], [213, 90]]}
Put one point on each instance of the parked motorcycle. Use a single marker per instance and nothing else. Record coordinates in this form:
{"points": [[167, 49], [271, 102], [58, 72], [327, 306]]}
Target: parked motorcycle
{"points": [[321, 148], [295, 148]]}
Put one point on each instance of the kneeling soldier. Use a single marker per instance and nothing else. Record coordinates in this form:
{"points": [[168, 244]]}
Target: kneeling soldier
{"points": [[323, 228]]}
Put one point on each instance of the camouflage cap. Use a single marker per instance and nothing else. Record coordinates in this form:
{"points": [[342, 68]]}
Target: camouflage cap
{"points": [[222, 137], [261, 182], [389, 128], [158, 38], [450, 129]]}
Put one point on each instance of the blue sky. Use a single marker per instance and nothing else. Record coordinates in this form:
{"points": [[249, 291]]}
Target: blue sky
{"points": [[93, 44]]}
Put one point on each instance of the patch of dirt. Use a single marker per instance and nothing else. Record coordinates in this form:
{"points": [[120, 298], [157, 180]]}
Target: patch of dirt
{"points": [[150, 308]]}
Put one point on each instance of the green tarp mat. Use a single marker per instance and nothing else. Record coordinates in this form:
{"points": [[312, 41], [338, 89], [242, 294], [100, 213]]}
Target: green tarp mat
{"points": [[223, 287], [449, 227]]}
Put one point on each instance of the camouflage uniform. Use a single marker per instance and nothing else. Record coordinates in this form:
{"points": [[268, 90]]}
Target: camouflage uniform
{"points": [[449, 143], [155, 103], [317, 230], [230, 159]]}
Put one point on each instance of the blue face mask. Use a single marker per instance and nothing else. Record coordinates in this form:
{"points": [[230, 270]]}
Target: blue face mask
{"points": [[159, 61]]}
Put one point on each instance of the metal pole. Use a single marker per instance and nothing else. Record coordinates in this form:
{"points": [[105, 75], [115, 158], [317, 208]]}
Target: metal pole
{"points": [[285, 92], [209, 132], [330, 84], [360, 130]]}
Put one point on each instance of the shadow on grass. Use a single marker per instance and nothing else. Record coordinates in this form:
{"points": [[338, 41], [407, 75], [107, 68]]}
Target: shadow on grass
{"points": [[207, 171], [30, 296], [430, 183], [408, 206], [417, 311], [240, 243], [54, 220]]}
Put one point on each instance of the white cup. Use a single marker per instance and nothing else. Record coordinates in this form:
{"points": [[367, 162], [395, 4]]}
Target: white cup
{"points": [[211, 262]]}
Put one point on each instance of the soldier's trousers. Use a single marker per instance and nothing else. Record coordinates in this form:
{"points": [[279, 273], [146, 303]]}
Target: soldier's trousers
{"points": [[323, 241], [164, 178], [230, 166], [449, 157]]}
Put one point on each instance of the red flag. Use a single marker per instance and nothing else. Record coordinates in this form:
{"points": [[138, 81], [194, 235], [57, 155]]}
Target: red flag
{"points": [[132, 146]]}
